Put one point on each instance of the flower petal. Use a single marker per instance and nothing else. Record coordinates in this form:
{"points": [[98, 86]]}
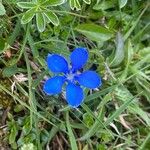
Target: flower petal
{"points": [[79, 58], [54, 85], [89, 79], [57, 63], [74, 95]]}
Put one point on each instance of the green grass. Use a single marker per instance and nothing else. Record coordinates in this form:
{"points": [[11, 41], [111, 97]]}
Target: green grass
{"points": [[112, 117]]}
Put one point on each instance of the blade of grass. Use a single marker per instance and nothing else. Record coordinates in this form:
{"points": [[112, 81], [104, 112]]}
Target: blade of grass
{"points": [[120, 110], [26, 106], [15, 33], [99, 93], [97, 124], [33, 47], [32, 101], [135, 23], [147, 139], [24, 42], [70, 134]]}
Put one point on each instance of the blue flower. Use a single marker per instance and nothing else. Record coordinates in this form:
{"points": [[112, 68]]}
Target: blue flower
{"points": [[71, 76]]}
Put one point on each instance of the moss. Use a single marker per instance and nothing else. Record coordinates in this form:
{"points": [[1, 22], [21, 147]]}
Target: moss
{"points": [[5, 99]]}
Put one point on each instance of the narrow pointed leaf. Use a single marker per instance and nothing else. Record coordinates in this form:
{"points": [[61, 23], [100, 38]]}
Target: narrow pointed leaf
{"points": [[70, 134], [26, 5], [119, 53], [87, 1], [2, 45], [122, 3], [28, 15], [93, 129], [53, 2], [74, 4], [94, 32], [40, 21], [104, 5], [52, 18]]}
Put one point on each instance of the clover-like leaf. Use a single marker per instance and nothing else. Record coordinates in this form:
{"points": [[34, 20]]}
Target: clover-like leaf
{"points": [[28, 15], [51, 17], [53, 3], [74, 4], [26, 5], [40, 21], [38, 8]]}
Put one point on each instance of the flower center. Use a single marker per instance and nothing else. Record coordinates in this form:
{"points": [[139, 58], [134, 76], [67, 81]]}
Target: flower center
{"points": [[70, 76]]}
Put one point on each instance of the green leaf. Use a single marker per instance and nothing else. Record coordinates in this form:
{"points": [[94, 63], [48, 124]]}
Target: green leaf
{"points": [[16, 31], [87, 1], [100, 93], [124, 106], [94, 32], [145, 142], [2, 44], [104, 5], [2, 9], [134, 24], [71, 135], [52, 133], [145, 58], [88, 119], [119, 53], [129, 52], [13, 132], [144, 52], [52, 18], [53, 2], [27, 126], [40, 21], [28, 15], [33, 47], [122, 3], [10, 71], [98, 121], [35, 1], [74, 4], [26, 5], [123, 94], [127, 60]]}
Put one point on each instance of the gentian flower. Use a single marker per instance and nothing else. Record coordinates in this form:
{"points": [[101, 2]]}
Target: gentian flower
{"points": [[71, 76]]}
